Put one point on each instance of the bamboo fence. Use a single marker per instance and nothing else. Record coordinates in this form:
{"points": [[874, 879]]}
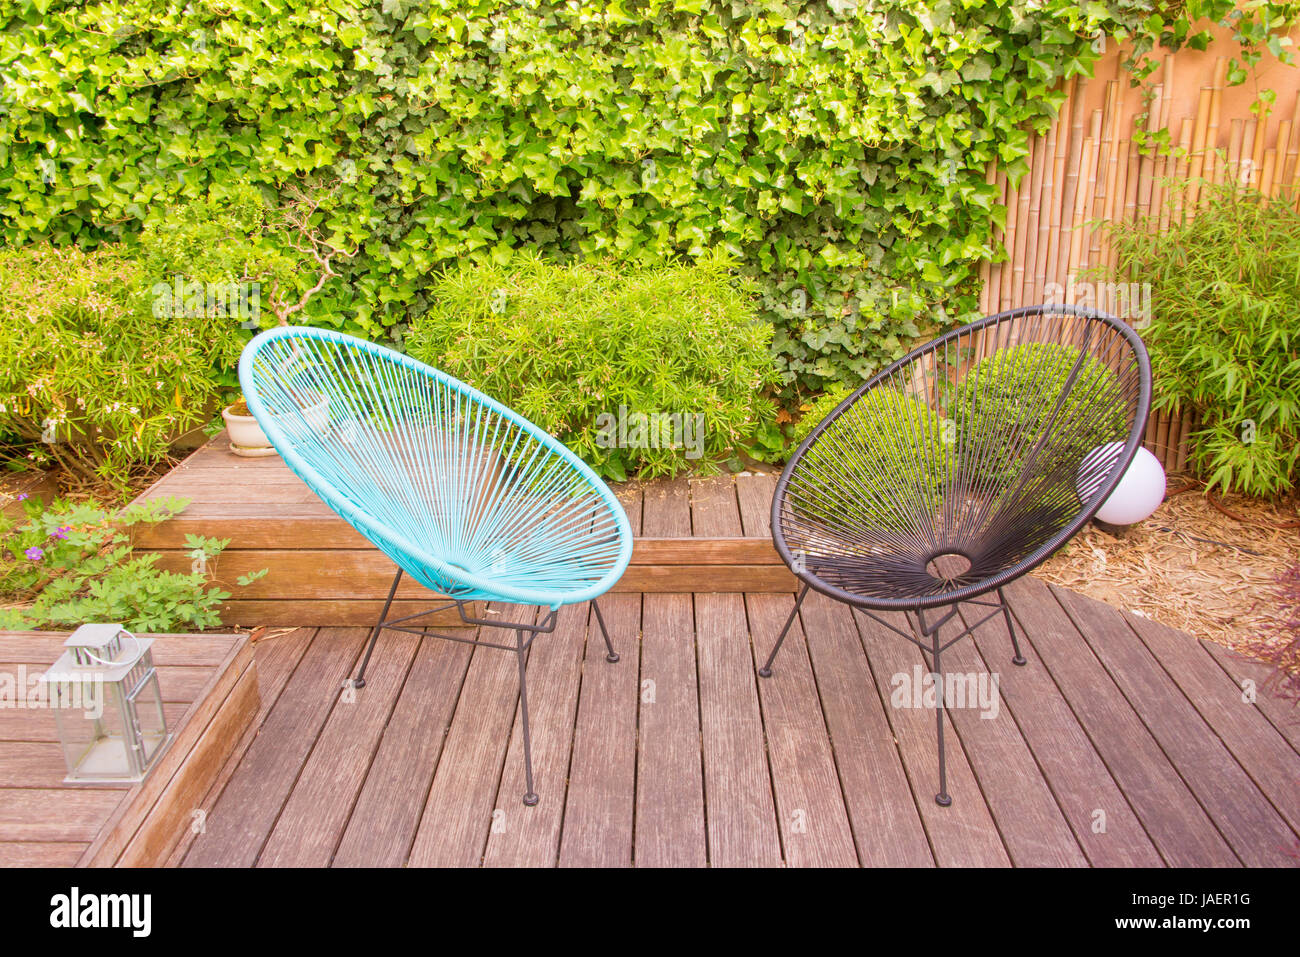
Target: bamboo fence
{"points": [[1086, 170]]}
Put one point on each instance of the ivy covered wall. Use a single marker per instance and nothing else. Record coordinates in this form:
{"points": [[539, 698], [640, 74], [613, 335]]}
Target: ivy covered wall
{"points": [[838, 149]]}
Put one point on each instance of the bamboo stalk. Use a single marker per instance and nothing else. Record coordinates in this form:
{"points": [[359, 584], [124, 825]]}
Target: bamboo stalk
{"points": [[1235, 133], [1292, 149], [1257, 152], [1008, 242], [1178, 189], [1023, 199], [1248, 171], [1266, 174], [1087, 159], [1184, 441], [1043, 216], [1158, 208], [1073, 170], [995, 292], [1125, 168], [1059, 161], [1107, 173], [1032, 230], [1171, 447], [1196, 161], [1146, 165]]}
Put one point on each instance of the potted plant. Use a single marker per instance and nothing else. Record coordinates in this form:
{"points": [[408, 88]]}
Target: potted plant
{"points": [[248, 439]]}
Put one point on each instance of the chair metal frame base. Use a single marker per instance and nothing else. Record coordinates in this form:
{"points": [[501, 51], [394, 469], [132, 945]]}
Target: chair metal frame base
{"points": [[926, 637], [520, 648]]}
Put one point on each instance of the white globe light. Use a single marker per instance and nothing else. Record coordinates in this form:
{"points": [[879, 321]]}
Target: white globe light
{"points": [[1139, 492]]}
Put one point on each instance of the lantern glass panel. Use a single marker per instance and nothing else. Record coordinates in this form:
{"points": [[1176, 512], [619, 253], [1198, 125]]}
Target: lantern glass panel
{"points": [[94, 730], [148, 708]]}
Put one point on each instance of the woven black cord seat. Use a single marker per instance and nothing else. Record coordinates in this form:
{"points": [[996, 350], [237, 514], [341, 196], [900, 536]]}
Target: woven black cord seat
{"points": [[961, 467]]}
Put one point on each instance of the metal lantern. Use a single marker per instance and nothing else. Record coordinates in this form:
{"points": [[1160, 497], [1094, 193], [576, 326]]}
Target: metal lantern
{"points": [[106, 702]]}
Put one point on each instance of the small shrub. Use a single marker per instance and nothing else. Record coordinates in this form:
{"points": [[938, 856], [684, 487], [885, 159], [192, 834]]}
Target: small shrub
{"points": [[822, 407], [102, 364], [603, 357], [1224, 337], [885, 450], [72, 563], [1009, 398]]}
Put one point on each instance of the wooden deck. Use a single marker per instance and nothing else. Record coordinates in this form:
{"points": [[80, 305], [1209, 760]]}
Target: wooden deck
{"points": [[1121, 743], [210, 693], [321, 572]]}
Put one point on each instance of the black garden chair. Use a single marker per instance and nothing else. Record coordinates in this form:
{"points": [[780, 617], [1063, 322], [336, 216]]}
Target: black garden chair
{"points": [[961, 467]]}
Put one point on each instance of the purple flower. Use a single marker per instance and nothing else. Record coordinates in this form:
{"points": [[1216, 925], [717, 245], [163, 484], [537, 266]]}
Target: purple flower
{"points": [[61, 532], [34, 553], [23, 497]]}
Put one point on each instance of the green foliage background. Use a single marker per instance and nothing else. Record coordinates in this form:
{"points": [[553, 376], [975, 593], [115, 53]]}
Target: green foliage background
{"points": [[838, 149], [564, 345]]}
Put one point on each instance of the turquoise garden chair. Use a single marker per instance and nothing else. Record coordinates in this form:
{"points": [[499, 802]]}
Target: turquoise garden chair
{"points": [[465, 496]]}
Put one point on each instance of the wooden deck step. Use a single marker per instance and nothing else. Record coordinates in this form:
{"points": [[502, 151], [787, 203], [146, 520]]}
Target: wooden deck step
{"points": [[210, 690]]}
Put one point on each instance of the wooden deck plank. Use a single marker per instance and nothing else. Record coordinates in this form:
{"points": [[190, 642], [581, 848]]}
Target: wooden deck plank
{"points": [[1284, 715], [754, 495], [630, 497], [1264, 754], [962, 834], [813, 821], [37, 724], [666, 512], [55, 814], [670, 828], [32, 764], [177, 683], [382, 826], [328, 613], [1076, 773], [242, 819], [1241, 812], [886, 825], [530, 836], [1033, 828], [313, 818], [276, 657], [1169, 812], [41, 853], [598, 816], [467, 783], [43, 648], [741, 812]]}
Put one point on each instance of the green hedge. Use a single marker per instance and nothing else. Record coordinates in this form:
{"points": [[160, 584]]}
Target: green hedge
{"points": [[638, 369], [838, 149]]}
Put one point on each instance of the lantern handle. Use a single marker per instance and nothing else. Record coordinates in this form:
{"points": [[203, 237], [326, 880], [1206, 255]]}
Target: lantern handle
{"points": [[139, 646]]}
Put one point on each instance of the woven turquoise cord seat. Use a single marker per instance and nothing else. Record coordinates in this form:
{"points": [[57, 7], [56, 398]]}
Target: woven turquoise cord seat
{"points": [[465, 496]]}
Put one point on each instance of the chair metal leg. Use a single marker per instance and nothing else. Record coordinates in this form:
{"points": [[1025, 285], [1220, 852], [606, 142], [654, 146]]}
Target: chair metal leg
{"points": [[612, 655], [943, 799], [766, 670], [1019, 659], [360, 680], [521, 647]]}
